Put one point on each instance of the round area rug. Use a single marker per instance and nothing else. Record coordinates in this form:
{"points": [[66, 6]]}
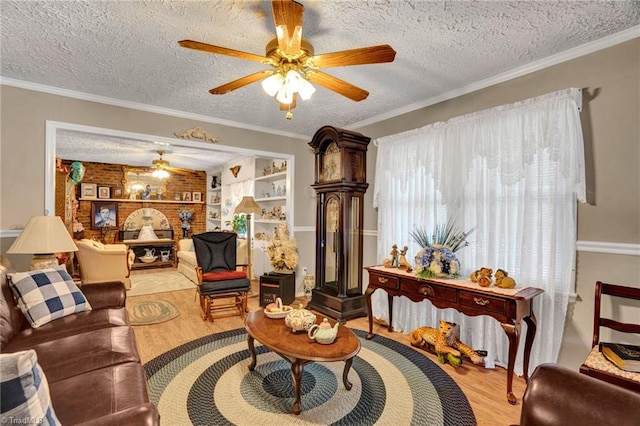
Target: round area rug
{"points": [[151, 311], [207, 382]]}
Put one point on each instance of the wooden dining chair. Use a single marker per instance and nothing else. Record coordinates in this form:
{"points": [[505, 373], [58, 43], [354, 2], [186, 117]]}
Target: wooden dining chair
{"points": [[596, 365]]}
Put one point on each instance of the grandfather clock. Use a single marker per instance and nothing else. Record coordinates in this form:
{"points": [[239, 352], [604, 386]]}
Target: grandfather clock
{"points": [[340, 184]]}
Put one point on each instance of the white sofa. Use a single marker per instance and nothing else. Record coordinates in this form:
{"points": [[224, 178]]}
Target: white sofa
{"points": [[187, 257], [104, 262]]}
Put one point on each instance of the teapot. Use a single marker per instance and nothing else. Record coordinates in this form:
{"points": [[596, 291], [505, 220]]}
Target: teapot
{"points": [[300, 319], [149, 252], [323, 333]]}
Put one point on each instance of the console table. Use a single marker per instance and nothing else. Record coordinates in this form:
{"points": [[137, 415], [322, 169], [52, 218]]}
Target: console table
{"points": [[140, 248], [509, 307]]}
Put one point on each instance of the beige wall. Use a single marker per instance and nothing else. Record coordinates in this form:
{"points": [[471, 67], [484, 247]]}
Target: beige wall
{"points": [[610, 120], [611, 125]]}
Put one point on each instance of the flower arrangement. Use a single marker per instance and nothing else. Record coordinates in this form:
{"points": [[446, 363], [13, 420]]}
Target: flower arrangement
{"points": [[282, 250], [437, 257]]}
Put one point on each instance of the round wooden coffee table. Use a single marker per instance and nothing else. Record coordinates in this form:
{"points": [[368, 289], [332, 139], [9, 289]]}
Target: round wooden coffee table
{"points": [[298, 349]]}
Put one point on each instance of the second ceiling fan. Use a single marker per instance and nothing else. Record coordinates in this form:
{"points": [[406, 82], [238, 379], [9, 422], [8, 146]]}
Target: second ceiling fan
{"points": [[294, 63]]}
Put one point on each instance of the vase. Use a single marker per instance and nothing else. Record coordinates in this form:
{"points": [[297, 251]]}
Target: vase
{"points": [[308, 283], [437, 262], [214, 181], [282, 271]]}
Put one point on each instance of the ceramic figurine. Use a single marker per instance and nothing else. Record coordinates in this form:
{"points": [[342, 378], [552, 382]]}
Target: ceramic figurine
{"points": [[300, 319]]}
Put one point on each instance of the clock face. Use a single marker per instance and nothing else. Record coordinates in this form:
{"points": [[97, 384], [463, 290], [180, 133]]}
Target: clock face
{"points": [[331, 163]]}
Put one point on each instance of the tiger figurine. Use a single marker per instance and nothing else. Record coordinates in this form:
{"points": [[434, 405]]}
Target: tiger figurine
{"points": [[445, 342]]}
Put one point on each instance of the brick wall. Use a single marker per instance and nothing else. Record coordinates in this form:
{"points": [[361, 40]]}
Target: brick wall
{"points": [[111, 175]]}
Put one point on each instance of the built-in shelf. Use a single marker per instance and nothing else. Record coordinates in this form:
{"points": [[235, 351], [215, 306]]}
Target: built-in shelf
{"points": [[127, 200], [279, 197], [273, 176], [214, 204], [268, 221]]}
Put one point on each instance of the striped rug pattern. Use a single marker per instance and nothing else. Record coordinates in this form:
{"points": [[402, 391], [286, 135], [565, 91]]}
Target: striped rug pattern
{"points": [[148, 312], [207, 382]]}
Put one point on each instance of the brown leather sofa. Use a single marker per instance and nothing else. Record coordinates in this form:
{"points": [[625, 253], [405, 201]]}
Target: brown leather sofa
{"points": [[90, 359], [558, 396]]}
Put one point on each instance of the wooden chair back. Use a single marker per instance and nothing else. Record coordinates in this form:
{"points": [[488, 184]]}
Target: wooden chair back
{"points": [[599, 321], [596, 365]]}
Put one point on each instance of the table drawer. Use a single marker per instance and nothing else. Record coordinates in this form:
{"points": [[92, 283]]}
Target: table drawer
{"points": [[480, 301], [383, 281], [428, 290]]}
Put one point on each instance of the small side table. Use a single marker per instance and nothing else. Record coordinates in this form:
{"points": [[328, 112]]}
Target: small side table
{"points": [[274, 285]]}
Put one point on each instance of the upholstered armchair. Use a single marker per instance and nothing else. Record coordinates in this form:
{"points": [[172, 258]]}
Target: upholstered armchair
{"points": [[222, 288], [104, 262], [187, 262]]}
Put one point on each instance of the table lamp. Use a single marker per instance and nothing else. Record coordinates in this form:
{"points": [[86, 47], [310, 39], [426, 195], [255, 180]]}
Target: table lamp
{"points": [[43, 236], [248, 206]]}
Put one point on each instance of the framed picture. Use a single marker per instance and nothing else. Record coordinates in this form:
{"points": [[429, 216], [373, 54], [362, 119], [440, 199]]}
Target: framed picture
{"points": [[197, 196], [186, 196], [177, 196], [116, 192], [104, 192], [104, 214], [88, 190]]}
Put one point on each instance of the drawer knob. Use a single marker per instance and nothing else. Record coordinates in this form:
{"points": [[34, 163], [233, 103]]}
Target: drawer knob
{"points": [[426, 290], [383, 280], [481, 302]]}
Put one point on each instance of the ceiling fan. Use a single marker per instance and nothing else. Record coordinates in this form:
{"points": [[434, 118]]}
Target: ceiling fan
{"points": [[294, 62], [161, 168]]}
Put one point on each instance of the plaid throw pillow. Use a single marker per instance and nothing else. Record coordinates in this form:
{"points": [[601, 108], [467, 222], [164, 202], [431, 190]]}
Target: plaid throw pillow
{"points": [[25, 391], [47, 294]]}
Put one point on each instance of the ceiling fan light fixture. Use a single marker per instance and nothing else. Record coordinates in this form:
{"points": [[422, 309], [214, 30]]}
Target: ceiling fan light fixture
{"points": [[273, 84], [285, 95], [290, 84], [137, 185], [306, 89], [160, 173]]}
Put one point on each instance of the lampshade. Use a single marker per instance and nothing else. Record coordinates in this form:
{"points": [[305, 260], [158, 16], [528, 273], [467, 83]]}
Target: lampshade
{"points": [[248, 205], [272, 84], [43, 236]]}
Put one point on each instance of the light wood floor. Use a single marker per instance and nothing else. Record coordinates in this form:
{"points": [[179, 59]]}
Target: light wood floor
{"points": [[485, 388]]}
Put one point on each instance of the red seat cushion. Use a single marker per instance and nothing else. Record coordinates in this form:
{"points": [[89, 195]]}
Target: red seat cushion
{"points": [[223, 275]]}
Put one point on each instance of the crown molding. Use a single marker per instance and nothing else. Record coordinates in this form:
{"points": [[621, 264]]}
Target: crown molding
{"points": [[21, 84], [585, 49]]}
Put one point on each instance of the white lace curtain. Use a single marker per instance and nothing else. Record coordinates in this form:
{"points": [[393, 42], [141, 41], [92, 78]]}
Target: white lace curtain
{"points": [[513, 173]]}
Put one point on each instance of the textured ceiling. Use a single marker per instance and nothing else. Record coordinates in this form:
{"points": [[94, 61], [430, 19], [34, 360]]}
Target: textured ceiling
{"points": [[128, 50]]}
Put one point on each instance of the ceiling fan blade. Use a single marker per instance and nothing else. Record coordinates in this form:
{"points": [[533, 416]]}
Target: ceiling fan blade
{"points": [[210, 48], [287, 16], [241, 82], [364, 55], [287, 107], [179, 170], [335, 84]]}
